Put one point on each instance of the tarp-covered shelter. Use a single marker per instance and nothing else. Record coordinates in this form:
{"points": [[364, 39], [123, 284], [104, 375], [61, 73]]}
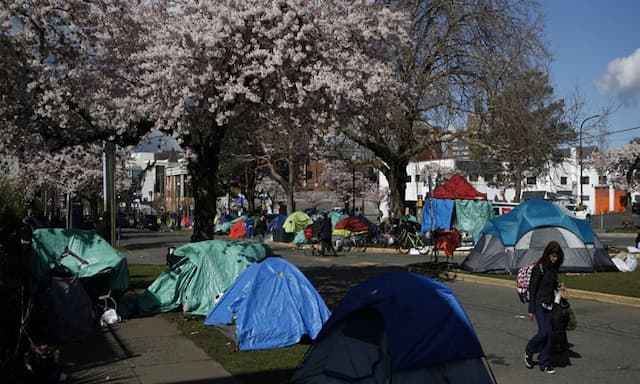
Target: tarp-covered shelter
{"points": [[88, 256], [519, 237], [296, 222], [271, 304], [203, 271], [336, 217], [238, 229], [351, 224], [456, 201], [457, 188], [398, 327]]}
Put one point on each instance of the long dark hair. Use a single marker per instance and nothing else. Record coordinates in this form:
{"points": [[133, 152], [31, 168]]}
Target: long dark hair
{"points": [[552, 247]]}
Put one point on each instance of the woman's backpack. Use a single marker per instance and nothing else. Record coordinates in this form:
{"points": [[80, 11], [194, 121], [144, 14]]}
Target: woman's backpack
{"points": [[522, 281]]}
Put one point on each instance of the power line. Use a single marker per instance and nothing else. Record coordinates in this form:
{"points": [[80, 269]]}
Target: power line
{"points": [[614, 132]]}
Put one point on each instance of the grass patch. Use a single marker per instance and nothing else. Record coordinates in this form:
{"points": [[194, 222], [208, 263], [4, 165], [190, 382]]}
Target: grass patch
{"points": [[142, 275], [616, 283], [265, 366]]}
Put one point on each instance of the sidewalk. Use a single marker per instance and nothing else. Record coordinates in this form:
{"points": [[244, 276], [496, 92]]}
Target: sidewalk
{"points": [[147, 350]]}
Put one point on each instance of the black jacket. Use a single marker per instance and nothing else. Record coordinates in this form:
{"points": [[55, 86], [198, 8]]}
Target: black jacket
{"points": [[542, 286], [261, 227]]}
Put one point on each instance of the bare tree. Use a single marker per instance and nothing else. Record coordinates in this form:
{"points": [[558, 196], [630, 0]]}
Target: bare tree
{"points": [[523, 131]]}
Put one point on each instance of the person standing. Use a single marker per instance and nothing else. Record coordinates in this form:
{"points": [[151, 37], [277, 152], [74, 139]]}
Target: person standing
{"points": [[542, 291], [325, 236], [261, 228]]}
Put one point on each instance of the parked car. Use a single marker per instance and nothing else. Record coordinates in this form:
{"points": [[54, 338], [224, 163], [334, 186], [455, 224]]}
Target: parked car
{"points": [[581, 211]]}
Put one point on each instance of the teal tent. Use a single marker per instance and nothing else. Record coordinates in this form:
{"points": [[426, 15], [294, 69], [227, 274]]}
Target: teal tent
{"points": [[519, 237], [81, 253], [204, 270]]}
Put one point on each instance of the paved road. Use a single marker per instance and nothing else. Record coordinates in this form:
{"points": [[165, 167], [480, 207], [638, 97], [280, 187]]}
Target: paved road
{"points": [[605, 345]]}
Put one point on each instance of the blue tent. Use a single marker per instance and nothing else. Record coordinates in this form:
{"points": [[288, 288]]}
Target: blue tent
{"points": [[532, 214], [399, 326], [519, 237], [272, 305]]}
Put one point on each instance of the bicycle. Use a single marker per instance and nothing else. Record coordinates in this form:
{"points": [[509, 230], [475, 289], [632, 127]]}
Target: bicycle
{"points": [[409, 240], [359, 242]]}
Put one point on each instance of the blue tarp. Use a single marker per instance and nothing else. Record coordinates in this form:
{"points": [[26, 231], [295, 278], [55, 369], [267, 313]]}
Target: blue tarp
{"points": [[276, 223], [373, 229], [441, 210], [273, 305], [424, 322], [532, 214]]}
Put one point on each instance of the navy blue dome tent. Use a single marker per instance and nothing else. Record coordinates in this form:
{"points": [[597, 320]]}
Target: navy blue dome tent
{"points": [[398, 327]]}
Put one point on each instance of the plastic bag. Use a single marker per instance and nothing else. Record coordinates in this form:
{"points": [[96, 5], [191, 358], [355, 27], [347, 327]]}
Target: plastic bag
{"points": [[109, 317]]}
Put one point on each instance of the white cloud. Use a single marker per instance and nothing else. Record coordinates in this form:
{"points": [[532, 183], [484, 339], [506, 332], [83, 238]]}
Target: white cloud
{"points": [[622, 77]]}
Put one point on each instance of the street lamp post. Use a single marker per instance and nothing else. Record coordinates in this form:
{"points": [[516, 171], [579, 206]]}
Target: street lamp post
{"points": [[580, 179]]}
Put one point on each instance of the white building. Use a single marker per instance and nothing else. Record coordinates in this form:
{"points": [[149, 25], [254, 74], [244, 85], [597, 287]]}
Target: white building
{"points": [[561, 181]]}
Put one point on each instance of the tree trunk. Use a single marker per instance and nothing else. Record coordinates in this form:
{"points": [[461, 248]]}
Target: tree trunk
{"points": [[397, 177], [518, 187], [203, 170]]}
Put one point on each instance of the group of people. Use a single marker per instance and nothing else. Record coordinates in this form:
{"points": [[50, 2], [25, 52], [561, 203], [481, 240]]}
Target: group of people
{"points": [[545, 292]]}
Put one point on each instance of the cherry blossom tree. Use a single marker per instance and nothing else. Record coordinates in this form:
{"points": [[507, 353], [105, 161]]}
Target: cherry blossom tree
{"points": [[66, 86], [457, 49], [212, 69]]}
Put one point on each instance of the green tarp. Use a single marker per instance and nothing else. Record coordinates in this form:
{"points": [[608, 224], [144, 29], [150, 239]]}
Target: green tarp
{"points": [[90, 255], [472, 215], [204, 271]]}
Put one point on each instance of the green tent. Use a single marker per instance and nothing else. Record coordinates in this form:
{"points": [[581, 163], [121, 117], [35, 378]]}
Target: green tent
{"points": [[296, 222], [87, 255], [204, 271]]}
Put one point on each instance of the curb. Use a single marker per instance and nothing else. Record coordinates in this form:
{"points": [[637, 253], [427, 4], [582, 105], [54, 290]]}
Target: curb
{"points": [[572, 293]]}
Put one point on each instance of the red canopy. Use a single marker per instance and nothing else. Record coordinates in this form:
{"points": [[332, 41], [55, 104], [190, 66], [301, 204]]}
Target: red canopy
{"points": [[457, 188]]}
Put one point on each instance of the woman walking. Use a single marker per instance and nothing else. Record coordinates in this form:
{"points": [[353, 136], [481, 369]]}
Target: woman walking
{"points": [[542, 290]]}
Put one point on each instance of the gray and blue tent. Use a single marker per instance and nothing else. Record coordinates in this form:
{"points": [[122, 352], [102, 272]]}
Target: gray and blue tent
{"points": [[519, 237], [270, 305], [398, 327]]}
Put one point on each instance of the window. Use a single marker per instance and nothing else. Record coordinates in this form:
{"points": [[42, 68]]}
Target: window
{"points": [[159, 184], [602, 180], [417, 178], [585, 180], [408, 179], [531, 180], [563, 180], [473, 177]]}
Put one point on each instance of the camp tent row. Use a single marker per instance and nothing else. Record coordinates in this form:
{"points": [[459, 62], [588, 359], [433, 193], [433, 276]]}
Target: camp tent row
{"points": [[263, 301], [519, 237]]}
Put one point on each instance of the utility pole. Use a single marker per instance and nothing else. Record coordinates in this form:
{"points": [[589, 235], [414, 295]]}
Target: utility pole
{"points": [[109, 196]]}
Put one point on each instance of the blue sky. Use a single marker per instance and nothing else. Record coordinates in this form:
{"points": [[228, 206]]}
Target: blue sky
{"points": [[596, 49]]}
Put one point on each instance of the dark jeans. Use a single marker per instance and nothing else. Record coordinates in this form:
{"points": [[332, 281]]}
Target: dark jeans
{"points": [[327, 244], [541, 341]]}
